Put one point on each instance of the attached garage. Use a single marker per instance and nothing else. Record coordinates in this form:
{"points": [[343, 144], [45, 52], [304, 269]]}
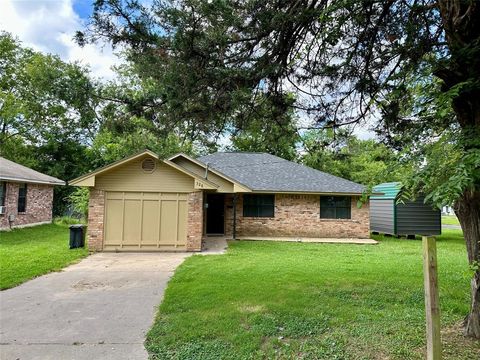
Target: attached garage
{"points": [[143, 203], [145, 221]]}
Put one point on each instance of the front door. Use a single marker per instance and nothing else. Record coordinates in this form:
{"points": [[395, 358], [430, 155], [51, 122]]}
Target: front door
{"points": [[215, 214]]}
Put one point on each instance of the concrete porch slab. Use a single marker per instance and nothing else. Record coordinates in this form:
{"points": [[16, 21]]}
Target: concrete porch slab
{"points": [[313, 240], [214, 245]]}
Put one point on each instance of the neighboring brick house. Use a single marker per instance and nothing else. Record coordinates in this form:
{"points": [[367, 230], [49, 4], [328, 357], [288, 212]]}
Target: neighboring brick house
{"points": [[26, 195], [143, 203]]}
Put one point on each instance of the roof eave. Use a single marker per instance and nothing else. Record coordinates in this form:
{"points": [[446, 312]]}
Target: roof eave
{"points": [[111, 166], [31, 181], [239, 185], [350, 193]]}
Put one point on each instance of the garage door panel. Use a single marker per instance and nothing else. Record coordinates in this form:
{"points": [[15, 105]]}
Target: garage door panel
{"points": [[114, 195], [114, 218], [182, 222], [170, 196], [132, 195], [132, 228], [151, 196], [168, 226], [150, 222], [145, 221]]}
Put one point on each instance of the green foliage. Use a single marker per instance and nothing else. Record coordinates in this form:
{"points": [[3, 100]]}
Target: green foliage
{"points": [[267, 130], [277, 300], [47, 113], [364, 161], [445, 168], [78, 198], [68, 220], [42, 98], [113, 144]]}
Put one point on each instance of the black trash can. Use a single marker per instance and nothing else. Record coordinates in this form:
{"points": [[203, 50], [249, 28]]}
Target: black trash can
{"points": [[77, 236]]}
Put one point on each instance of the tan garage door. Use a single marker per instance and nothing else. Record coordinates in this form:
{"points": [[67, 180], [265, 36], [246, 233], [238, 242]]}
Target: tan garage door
{"points": [[145, 221]]}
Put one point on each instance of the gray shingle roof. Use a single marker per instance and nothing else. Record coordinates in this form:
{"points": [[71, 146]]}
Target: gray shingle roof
{"points": [[11, 171], [265, 172]]}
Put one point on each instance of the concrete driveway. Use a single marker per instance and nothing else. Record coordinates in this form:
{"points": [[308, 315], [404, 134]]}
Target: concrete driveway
{"points": [[100, 308]]}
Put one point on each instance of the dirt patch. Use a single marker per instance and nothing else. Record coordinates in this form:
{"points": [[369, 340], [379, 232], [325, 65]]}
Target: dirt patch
{"points": [[453, 340], [455, 346], [83, 285]]}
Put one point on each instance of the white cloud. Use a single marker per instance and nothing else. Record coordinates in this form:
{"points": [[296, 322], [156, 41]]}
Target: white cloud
{"points": [[49, 26]]}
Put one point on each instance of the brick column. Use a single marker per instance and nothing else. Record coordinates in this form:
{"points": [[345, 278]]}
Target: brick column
{"points": [[96, 209], [195, 221]]}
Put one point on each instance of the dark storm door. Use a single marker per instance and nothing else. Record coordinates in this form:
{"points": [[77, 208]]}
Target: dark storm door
{"points": [[215, 214]]}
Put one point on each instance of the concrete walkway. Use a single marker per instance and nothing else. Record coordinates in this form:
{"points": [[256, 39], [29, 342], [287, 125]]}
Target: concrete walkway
{"points": [[214, 245], [314, 240], [100, 308]]}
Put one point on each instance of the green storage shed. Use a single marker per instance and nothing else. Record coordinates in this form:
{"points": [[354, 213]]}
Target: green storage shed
{"points": [[408, 218]]}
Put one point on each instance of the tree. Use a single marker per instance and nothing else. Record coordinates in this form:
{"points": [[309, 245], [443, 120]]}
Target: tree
{"points": [[345, 61], [112, 144], [47, 113], [42, 95], [364, 161], [278, 137]]}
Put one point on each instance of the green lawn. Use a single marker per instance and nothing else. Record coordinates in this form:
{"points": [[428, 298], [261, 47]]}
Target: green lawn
{"points": [[273, 300], [30, 252], [450, 220]]}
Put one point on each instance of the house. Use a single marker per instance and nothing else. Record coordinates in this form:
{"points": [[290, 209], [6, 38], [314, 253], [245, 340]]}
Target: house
{"points": [[145, 203], [26, 195], [407, 218]]}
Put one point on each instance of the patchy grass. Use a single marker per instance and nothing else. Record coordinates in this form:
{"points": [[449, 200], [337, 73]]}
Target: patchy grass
{"points": [[30, 252], [450, 220], [274, 300]]}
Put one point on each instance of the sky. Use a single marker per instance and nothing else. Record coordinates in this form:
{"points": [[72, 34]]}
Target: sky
{"points": [[49, 26]]}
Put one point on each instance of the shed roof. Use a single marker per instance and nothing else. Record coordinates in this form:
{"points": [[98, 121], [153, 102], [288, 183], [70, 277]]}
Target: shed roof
{"points": [[269, 173], [11, 171], [390, 191]]}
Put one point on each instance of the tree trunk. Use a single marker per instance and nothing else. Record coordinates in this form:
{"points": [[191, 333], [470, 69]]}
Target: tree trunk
{"points": [[461, 22], [468, 212]]}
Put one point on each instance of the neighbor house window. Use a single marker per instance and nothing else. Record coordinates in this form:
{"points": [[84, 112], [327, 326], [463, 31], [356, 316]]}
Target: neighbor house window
{"points": [[259, 205], [335, 207], [22, 197], [3, 191]]}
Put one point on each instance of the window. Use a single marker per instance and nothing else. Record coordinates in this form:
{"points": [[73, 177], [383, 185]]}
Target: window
{"points": [[3, 192], [335, 207], [22, 198], [259, 205]]}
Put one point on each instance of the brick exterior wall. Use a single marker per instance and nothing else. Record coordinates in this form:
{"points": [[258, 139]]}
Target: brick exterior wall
{"points": [[38, 205], [295, 216], [96, 210], [195, 221], [298, 216]]}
